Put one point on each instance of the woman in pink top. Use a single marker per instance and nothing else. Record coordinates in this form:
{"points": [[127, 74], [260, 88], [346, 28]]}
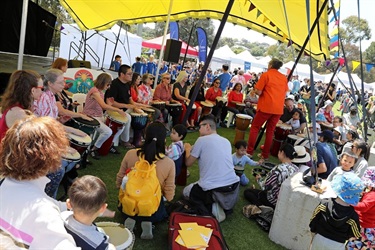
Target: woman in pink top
{"points": [[239, 78], [145, 95], [235, 96], [24, 87], [94, 106]]}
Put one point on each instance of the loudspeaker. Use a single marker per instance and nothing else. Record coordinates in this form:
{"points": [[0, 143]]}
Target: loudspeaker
{"points": [[4, 79], [172, 50], [79, 64]]}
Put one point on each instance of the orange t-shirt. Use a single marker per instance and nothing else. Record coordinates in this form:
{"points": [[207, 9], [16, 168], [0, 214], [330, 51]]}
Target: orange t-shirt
{"points": [[274, 86]]}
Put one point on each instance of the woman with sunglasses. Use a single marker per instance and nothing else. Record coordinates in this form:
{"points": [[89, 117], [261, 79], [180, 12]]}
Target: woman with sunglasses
{"points": [[23, 88], [211, 94]]}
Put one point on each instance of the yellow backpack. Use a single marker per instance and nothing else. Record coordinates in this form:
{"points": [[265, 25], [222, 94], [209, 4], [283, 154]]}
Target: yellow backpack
{"points": [[142, 192]]}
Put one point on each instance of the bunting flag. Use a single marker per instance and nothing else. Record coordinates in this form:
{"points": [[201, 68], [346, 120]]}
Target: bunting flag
{"points": [[173, 30], [355, 64], [252, 6], [334, 29], [369, 66], [258, 13], [202, 43]]}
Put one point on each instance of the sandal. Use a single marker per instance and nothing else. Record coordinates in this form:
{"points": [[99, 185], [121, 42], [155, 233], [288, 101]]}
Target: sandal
{"points": [[191, 128]]}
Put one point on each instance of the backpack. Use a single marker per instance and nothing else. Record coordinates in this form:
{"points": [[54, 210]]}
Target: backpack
{"points": [[142, 192]]}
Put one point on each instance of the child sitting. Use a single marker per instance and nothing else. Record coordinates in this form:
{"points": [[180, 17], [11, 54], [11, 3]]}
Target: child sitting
{"points": [[334, 220], [240, 159], [347, 161], [176, 149], [366, 212], [294, 121], [87, 199]]}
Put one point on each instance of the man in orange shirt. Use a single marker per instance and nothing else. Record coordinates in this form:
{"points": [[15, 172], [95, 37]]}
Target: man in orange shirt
{"points": [[271, 89]]}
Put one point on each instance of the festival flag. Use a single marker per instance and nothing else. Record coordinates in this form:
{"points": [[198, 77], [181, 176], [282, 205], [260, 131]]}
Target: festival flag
{"points": [[202, 43], [369, 66], [173, 30], [355, 64], [334, 29]]}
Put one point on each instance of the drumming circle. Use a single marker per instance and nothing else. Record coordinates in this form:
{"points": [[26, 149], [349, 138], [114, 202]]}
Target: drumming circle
{"points": [[115, 116], [120, 237], [79, 140], [86, 126]]}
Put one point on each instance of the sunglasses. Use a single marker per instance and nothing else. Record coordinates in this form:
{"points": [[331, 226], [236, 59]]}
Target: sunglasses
{"points": [[40, 87]]}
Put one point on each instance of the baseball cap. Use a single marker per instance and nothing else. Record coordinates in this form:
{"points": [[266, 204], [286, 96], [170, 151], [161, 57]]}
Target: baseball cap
{"points": [[327, 134], [348, 187]]}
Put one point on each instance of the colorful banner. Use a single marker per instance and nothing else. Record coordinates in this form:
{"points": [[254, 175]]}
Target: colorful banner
{"points": [[334, 29], [202, 43], [173, 30]]}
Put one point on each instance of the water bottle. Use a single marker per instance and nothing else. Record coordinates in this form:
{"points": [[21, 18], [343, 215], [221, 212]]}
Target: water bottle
{"points": [[124, 181]]}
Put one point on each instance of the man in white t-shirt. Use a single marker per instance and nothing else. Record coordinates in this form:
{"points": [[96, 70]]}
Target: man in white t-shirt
{"points": [[216, 171]]}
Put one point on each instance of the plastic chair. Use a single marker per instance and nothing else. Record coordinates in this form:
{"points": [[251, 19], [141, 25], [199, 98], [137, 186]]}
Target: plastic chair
{"points": [[80, 98], [230, 118]]}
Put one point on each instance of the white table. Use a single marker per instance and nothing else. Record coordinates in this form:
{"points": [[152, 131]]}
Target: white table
{"points": [[295, 206]]}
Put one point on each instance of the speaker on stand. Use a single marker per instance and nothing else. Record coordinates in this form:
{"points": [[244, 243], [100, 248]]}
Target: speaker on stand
{"points": [[79, 64], [172, 51]]}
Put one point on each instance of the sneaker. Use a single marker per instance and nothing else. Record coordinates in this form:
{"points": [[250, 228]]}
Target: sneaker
{"points": [[218, 212], [94, 154], [129, 224], [146, 230], [113, 150]]}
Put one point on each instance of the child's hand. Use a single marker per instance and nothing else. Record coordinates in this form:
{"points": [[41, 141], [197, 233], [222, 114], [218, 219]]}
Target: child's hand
{"points": [[261, 161]]}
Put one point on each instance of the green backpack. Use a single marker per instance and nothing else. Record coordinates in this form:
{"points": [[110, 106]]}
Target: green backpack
{"points": [[142, 192]]}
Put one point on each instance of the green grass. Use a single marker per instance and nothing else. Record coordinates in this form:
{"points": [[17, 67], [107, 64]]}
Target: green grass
{"points": [[239, 232]]}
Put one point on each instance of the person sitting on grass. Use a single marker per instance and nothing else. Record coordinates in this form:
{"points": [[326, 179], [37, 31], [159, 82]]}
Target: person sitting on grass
{"points": [[176, 149], [334, 220], [240, 159], [347, 161], [87, 199], [271, 184]]}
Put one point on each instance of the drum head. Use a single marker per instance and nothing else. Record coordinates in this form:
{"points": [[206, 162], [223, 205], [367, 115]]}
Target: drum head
{"points": [[284, 126], [294, 137], [85, 140], [119, 236], [207, 104], [94, 123], [115, 116], [72, 155], [240, 104], [134, 114], [246, 117], [148, 110], [239, 168], [174, 104]]}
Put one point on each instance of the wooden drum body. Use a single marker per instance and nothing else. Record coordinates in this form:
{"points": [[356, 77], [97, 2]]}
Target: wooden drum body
{"points": [[206, 108], [242, 123], [139, 122]]}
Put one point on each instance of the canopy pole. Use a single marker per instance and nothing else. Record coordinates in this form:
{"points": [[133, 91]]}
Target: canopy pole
{"points": [[117, 38], [188, 44], [308, 38], [209, 57], [21, 47], [329, 85], [163, 43]]}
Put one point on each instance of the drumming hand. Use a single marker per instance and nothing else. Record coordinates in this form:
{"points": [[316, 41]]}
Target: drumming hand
{"points": [[138, 110], [85, 117], [78, 132]]}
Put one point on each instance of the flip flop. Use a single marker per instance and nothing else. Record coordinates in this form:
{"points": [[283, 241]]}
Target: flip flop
{"points": [[129, 146]]}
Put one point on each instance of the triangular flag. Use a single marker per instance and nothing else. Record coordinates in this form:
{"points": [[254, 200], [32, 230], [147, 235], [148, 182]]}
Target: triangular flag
{"points": [[355, 64], [272, 24], [369, 66], [277, 30], [259, 13], [290, 43], [265, 19], [336, 54], [252, 6], [284, 37]]}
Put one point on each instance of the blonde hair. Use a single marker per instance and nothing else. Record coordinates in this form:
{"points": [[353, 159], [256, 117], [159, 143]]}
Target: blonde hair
{"points": [[181, 76]]}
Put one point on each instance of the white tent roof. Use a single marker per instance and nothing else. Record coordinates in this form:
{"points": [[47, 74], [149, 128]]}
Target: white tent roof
{"points": [[224, 53], [302, 70], [246, 56]]}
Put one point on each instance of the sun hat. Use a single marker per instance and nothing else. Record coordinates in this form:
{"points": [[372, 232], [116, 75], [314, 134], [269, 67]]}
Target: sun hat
{"points": [[328, 103], [302, 157], [318, 128], [327, 134], [338, 129], [348, 187], [368, 179], [353, 108], [290, 97], [304, 142]]}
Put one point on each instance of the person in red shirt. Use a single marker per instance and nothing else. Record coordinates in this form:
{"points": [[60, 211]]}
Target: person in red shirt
{"points": [[211, 94], [271, 88]]}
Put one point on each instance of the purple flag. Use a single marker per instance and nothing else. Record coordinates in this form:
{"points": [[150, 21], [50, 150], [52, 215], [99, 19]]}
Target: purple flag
{"points": [[173, 30], [202, 42]]}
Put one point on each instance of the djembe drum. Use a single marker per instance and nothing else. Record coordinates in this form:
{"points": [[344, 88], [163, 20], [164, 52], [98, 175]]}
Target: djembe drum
{"points": [[240, 107], [115, 122], [119, 236], [150, 113], [281, 134], [139, 122], [206, 108], [242, 123], [174, 110], [160, 105]]}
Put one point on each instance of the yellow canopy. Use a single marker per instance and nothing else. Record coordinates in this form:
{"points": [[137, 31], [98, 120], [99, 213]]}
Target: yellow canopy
{"points": [[265, 16]]}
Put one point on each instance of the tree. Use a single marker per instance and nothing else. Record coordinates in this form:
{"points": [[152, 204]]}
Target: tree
{"points": [[281, 51], [370, 53], [353, 30]]}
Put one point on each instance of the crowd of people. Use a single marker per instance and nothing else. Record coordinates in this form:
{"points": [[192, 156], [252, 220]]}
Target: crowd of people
{"points": [[38, 115]]}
